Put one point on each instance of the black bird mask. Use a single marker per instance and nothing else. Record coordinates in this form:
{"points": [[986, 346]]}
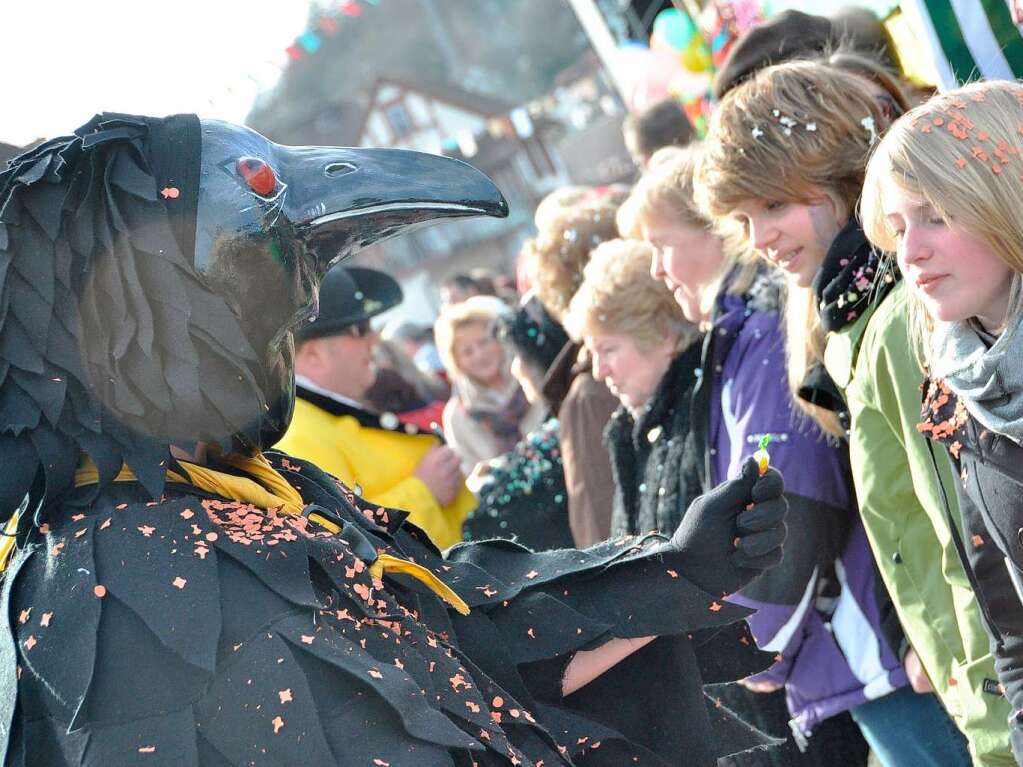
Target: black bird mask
{"points": [[152, 272]]}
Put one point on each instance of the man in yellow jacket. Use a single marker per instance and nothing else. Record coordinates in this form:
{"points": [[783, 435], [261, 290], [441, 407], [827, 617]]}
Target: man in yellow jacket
{"points": [[387, 462]]}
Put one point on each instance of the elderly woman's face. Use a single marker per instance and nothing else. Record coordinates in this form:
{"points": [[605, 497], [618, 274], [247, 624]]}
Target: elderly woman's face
{"points": [[687, 258], [478, 354], [630, 370]]}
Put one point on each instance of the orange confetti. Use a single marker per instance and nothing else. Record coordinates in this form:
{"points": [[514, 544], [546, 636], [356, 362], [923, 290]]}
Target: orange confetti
{"points": [[285, 695], [307, 639], [375, 673], [30, 642], [179, 582], [147, 749], [714, 607], [673, 573], [211, 537], [170, 192], [532, 574], [81, 532], [278, 724], [961, 163], [77, 517], [106, 524], [187, 514], [121, 506], [24, 615], [977, 540], [982, 136], [380, 763], [532, 634], [474, 707], [99, 590], [57, 548], [44, 528], [497, 702], [45, 620], [146, 530]]}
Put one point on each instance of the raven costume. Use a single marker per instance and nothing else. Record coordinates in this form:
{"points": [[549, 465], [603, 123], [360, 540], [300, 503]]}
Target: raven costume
{"points": [[247, 608]]}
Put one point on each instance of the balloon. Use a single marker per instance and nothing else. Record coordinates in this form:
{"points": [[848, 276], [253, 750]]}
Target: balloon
{"points": [[646, 74], [696, 57], [672, 30]]}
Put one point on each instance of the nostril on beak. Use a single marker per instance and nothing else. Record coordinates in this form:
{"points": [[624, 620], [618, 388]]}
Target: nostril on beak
{"points": [[335, 169]]}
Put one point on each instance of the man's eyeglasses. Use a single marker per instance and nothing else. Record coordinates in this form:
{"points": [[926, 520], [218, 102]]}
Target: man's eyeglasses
{"points": [[359, 329]]}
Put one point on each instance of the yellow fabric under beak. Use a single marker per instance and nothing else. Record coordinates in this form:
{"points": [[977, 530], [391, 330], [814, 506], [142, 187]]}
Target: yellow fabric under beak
{"points": [[265, 488]]}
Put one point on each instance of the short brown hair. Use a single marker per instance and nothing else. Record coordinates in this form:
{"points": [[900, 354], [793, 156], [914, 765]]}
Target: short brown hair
{"points": [[618, 295], [556, 256]]}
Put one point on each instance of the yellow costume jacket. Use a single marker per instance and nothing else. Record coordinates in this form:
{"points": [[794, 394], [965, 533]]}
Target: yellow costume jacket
{"points": [[375, 455]]}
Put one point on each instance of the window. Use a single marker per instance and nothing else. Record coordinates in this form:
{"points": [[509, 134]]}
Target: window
{"points": [[399, 119]]}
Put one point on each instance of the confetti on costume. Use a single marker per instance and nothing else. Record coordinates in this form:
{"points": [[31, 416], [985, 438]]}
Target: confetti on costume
{"points": [[253, 610]]}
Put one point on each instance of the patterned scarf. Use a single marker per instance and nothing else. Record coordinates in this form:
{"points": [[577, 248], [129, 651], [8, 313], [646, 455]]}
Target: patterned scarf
{"points": [[503, 421], [852, 277]]}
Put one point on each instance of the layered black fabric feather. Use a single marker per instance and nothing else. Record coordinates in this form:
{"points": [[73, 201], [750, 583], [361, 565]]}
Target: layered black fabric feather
{"points": [[204, 631], [110, 344]]}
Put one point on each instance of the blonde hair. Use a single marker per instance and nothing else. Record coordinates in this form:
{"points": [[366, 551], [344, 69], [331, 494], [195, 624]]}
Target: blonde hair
{"points": [[791, 133], [666, 191], [556, 256], [619, 296], [960, 152], [483, 311]]}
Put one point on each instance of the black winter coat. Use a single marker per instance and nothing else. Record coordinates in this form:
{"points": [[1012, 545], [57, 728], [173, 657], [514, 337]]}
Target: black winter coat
{"points": [[655, 465], [990, 493]]}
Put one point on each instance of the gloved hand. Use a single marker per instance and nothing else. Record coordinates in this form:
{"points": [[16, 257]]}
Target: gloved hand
{"points": [[720, 544]]}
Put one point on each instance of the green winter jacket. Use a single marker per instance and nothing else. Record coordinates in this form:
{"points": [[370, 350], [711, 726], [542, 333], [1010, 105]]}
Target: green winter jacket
{"points": [[904, 514]]}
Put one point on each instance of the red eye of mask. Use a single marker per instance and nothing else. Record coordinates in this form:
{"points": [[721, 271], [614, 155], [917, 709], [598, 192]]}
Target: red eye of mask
{"points": [[258, 175]]}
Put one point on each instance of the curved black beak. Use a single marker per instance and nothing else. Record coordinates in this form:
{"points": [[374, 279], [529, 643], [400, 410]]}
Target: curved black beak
{"points": [[351, 198]]}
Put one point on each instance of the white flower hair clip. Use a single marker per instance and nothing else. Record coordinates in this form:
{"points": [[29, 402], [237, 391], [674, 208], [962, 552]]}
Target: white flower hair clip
{"points": [[868, 125], [756, 132], [812, 127]]}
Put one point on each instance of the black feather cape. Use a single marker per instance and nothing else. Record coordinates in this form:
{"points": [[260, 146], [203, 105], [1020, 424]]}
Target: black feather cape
{"points": [[106, 330], [229, 635]]}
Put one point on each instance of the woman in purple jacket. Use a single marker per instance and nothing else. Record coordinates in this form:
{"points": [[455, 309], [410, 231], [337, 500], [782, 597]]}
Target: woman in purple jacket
{"points": [[822, 610]]}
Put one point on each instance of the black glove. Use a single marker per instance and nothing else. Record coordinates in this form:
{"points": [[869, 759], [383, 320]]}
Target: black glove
{"points": [[721, 545]]}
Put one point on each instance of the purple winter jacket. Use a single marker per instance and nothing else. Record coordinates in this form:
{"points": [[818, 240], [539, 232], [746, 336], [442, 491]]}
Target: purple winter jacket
{"points": [[821, 609]]}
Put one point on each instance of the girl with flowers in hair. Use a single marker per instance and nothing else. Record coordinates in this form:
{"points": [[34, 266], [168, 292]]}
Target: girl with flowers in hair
{"points": [[944, 192], [783, 169]]}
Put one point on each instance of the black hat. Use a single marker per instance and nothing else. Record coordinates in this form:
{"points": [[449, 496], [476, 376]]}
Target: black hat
{"points": [[349, 295], [789, 35], [535, 335]]}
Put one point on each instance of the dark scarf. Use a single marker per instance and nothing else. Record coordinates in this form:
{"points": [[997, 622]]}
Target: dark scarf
{"points": [[852, 277]]}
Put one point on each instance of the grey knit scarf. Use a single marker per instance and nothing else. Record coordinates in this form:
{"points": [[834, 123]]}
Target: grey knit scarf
{"points": [[985, 372]]}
